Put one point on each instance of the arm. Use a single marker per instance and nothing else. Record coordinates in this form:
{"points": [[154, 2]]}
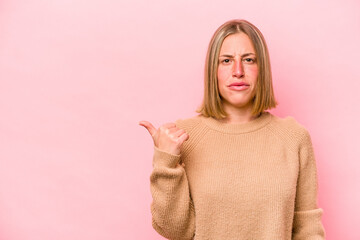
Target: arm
{"points": [[172, 209], [307, 217]]}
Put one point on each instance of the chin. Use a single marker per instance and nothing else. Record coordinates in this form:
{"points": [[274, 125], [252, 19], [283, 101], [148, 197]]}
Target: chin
{"points": [[239, 104]]}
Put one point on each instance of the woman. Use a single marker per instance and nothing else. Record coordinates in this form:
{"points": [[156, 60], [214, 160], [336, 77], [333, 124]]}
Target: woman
{"points": [[235, 171]]}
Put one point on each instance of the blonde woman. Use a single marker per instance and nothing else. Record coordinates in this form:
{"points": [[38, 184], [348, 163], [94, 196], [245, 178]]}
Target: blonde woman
{"points": [[235, 171]]}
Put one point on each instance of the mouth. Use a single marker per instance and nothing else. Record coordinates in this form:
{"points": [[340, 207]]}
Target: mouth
{"points": [[238, 87], [238, 84]]}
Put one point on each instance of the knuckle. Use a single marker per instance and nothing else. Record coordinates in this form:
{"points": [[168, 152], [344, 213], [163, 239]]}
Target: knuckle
{"points": [[163, 128]]}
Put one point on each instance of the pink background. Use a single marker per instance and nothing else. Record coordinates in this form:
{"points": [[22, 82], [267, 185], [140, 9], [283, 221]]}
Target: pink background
{"points": [[76, 77]]}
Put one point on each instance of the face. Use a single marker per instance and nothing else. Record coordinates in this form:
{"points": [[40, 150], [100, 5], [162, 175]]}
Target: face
{"points": [[237, 65]]}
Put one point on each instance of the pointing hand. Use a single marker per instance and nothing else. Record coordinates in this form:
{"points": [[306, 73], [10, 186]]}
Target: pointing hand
{"points": [[168, 137]]}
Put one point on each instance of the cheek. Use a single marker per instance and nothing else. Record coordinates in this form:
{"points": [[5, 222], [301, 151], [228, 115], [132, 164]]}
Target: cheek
{"points": [[222, 74], [252, 71]]}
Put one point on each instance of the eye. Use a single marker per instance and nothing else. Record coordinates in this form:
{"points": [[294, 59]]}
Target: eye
{"points": [[249, 60], [226, 60]]}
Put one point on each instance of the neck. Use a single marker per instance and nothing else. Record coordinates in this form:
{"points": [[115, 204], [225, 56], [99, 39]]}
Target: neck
{"points": [[238, 128], [238, 115]]}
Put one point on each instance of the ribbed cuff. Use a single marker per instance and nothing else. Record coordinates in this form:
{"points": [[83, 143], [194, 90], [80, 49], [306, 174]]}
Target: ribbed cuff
{"points": [[308, 225], [162, 158], [313, 213]]}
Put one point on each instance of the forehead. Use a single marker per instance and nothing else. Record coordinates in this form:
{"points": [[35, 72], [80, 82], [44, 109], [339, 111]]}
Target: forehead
{"points": [[237, 42]]}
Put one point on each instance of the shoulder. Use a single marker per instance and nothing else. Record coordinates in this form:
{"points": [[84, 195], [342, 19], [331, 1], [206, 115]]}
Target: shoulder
{"points": [[188, 124], [196, 131], [290, 130]]}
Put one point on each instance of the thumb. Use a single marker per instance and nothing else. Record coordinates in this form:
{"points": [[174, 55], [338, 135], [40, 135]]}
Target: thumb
{"points": [[152, 130]]}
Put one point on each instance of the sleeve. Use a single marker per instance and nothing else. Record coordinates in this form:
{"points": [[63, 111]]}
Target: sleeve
{"points": [[307, 216], [172, 209]]}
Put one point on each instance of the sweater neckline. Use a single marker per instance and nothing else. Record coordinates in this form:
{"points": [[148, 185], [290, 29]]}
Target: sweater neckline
{"points": [[250, 126]]}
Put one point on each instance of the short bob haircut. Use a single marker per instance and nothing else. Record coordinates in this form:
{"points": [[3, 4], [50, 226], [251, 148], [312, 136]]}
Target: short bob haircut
{"points": [[264, 95]]}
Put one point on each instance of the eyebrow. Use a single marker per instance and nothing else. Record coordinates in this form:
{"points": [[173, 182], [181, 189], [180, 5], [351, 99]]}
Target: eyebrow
{"points": [[244, 55]]}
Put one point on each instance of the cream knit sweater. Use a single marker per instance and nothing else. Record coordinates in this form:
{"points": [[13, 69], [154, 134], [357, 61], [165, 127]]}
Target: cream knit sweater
{"points": [[247, 181]]}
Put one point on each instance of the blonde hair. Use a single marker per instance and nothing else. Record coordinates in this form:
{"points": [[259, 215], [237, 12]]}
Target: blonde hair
{"points": [[264, 93]]}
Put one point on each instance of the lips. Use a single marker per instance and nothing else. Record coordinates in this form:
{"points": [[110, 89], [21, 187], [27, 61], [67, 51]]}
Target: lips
{"points": [[239, 84]]}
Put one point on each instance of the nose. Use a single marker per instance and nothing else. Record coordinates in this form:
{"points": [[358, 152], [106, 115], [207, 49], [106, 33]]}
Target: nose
{"points": [[238, 70]]}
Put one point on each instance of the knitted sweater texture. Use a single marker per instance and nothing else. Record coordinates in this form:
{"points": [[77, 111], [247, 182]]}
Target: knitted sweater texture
{"points": [[242, 181]]}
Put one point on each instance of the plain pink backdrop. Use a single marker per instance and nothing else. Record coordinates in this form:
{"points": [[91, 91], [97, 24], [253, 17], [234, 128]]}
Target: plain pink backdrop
{"points": [[76, 77]]}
